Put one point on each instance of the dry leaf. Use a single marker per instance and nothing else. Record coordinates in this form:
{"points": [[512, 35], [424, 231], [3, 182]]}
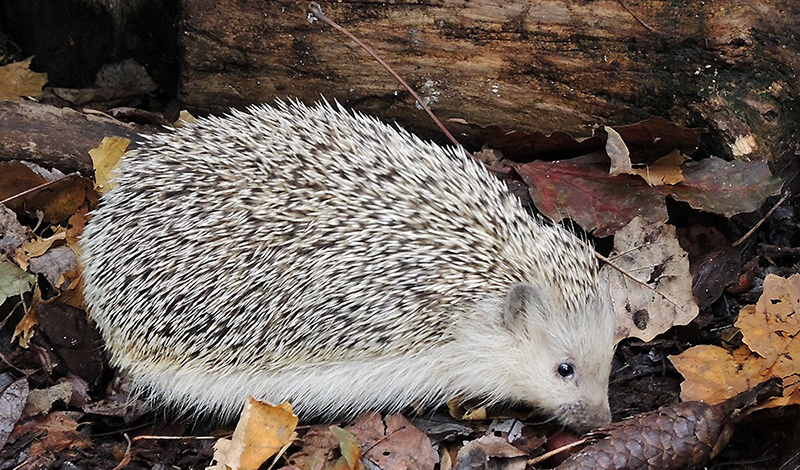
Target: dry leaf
{"points": [[663, 296], [351, 450], [105, 158], [25, 328], [61, 434], [55, 263], [184, 118], [18, 80], [618, 153], [12, 402], [772, 350], [490, 452], [393, 443], [262, 431], [582, 189], [318, 449], [466, 411], [665, 170], [36, 247], [12, 233], [40, 401], [770, 326]]}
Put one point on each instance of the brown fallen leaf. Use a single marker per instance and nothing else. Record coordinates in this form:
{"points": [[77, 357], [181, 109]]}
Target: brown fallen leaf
{"points": [[263, 430], [47, 194], [319, 448], [12, 402], [714, 262], [679, 436], [54, 264], [393, 443], [582, 189], [477, 453], [36, 246], [650, 253], [664, 171], [17, 80], [40, 401], [12, 233], [772, 349], [74, 340], [60, 432], [618, 153], [25, 328]]}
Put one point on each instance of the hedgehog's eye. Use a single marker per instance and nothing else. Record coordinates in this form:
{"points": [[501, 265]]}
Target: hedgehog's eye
{"points": [[566, 370]]}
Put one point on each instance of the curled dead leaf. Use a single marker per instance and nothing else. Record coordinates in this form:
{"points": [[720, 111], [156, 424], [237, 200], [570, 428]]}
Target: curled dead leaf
{"points": [[105, 158], [263, 430], [771, 349], [661, 294], [17, 80]]}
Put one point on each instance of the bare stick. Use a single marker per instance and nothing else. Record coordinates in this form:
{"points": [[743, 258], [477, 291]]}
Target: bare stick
{"points": [[35, 188], [634, 15], [637, 281], [547, 455], [315, 9], [763, 219], [173, 438]]}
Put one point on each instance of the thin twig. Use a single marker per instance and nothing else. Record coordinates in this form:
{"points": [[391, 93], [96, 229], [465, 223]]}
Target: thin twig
{"points": [[763, 219], [36, 188], [315, 9], [126, 458], [623, 253], [630, 276], [547, 455], [634, 15], [173, 438]]}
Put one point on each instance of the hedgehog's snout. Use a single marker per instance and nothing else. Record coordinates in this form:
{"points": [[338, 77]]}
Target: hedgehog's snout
{"points": [[583, 417]]}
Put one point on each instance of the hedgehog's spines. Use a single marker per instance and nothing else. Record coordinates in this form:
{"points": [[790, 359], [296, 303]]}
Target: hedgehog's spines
{"points": [[319, 254]]}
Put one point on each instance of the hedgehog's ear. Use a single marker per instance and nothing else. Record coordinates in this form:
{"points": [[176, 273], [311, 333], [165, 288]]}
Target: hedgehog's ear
{"points": [[520, 303]]}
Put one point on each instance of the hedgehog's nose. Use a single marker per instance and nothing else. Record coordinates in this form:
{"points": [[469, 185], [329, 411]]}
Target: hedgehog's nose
{"points": [[586, 417], [599, 415]]}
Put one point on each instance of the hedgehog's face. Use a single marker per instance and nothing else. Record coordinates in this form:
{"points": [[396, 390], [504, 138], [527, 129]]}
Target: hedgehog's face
{"points": [[565, 356]]}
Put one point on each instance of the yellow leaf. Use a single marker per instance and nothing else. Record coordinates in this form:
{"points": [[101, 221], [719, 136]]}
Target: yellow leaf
{"points": [[772, 349], [36, 247], [351, 450], [770, 326], [106, 159], [18, 80], [262, 431], [25, 328], [665, 170], [184, 118]]}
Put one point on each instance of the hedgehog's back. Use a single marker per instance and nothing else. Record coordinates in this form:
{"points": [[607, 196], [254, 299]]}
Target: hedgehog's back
{"points": [[295, 235]]}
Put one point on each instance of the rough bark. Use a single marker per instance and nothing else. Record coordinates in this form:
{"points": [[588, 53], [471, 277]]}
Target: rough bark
{"points": [[538, 66], [56, 137]]}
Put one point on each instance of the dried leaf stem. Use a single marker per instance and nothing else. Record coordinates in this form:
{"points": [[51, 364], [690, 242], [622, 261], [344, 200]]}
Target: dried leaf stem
{"points": [[630, 276], [36, 188], [763, 219]]}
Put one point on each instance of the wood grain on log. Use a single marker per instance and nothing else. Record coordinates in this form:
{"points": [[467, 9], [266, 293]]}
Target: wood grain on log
{"points": [[56, 137], [538, 66]]}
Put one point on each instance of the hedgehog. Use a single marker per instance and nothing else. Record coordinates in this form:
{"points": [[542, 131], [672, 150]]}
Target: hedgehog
{"points": [[318, 255]]}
